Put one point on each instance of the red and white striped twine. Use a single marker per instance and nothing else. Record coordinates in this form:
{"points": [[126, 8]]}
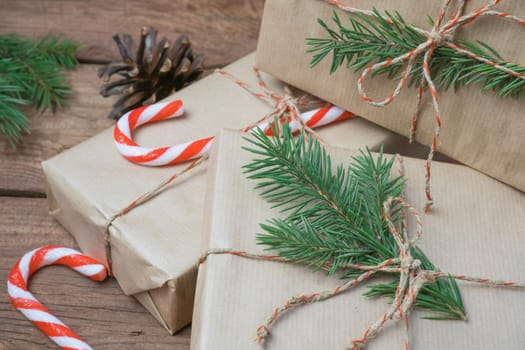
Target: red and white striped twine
{"points": [[194, 149], [33, 310]]}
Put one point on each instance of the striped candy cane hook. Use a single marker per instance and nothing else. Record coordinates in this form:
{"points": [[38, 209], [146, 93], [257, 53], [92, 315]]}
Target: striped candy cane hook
{"points": [[194, 149], [33, 310]]}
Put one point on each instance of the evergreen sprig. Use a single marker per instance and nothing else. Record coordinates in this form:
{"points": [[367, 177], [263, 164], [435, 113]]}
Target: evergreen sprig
{"points": [[335, 217], [31, 73], [371, 40]]}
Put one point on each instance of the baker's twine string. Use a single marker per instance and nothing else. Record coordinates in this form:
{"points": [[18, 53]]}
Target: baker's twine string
{"points": [[442, 34], [143, 198], [286, 109]]}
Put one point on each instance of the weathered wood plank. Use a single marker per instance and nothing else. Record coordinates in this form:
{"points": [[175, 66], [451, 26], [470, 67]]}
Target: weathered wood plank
{"points": [[224, 30], [98, 312]]}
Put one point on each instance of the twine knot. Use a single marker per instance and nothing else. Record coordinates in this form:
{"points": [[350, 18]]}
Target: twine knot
{"points": [[262, 332], [286, 103], [408, 263], [438, 37], [428, 276]]}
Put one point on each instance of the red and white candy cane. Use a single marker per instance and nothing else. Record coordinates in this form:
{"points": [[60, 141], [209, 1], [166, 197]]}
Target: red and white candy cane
{"points": [[193, 149], [33, 310]]}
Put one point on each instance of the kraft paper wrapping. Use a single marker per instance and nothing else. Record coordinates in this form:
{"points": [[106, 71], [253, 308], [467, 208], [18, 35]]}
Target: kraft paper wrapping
{"points": [[479, 129], [155, 247], [477, 229]]}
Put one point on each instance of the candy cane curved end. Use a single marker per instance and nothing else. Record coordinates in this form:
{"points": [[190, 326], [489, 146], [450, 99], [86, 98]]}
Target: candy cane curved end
{"points": [[194, 149], [124, 128], [31, 308]]}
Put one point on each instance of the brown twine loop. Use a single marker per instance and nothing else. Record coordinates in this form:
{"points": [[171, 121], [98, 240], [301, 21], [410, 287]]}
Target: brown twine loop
{"points": [[143, 198], [442, 34], [284, 106]]}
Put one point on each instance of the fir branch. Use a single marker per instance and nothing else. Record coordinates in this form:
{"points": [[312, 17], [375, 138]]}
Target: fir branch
{"points": [[12, 120], [31, 73], [49, 48], [62, 51], [304, 243], [372, 40], [335, 218]]}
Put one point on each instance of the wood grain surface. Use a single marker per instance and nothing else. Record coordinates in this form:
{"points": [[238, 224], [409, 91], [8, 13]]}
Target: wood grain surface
{"points": [[98, 312], [224, 30]]}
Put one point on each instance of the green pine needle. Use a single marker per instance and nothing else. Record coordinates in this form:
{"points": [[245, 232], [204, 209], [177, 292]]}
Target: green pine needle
{"points": [[371, 40], [334, 215], [31, 73]]}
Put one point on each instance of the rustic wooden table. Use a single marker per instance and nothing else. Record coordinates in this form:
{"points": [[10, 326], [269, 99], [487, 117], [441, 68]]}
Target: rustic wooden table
{"points": [[224, 30]]}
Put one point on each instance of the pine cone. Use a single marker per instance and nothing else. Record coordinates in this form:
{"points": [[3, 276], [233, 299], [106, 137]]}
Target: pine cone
{"points": [[158, 69]]}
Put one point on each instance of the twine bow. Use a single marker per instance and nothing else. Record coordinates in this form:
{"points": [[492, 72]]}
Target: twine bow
{"points": [[412, 278], [286, 106], [442, 34]]}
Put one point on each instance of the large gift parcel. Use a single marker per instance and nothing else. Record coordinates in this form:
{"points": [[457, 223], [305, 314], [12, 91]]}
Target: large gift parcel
{"points": [[306, 253]]}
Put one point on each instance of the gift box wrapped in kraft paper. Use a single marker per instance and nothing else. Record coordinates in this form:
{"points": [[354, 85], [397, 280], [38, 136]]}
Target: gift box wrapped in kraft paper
{"points": [[155, 246], [478, 128], [476, 230]]}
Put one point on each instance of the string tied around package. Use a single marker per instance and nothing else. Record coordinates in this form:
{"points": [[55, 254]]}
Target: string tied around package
{"points": [[412, 278], [441, 34], [286, 110]]}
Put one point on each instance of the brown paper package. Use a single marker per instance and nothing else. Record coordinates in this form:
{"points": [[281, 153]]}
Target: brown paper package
{"points": [[479, 129], [155, 247], [477, 229]]}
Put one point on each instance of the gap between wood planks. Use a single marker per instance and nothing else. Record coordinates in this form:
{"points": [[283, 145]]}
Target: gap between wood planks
{"points": [[22, 194]]}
